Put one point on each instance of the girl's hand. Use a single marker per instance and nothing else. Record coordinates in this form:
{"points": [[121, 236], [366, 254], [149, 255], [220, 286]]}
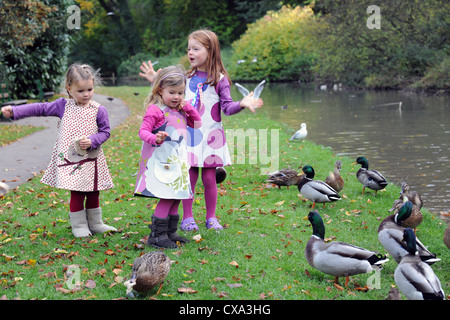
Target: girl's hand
{"points": [[161, 136], [7, 112], [85, 143], [251, 103], [148, 72]]}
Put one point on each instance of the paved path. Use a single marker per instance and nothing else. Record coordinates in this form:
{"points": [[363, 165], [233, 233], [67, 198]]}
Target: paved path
{"points": [[23, 159]]}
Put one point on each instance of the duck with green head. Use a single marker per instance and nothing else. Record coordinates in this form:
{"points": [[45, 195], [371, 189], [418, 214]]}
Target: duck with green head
{"points": [[338, 259], [371, 179], [415, 217], [390, 235], [315, 190], [414, 278]]}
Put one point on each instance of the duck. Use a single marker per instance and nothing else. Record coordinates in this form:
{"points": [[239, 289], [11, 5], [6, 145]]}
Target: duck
{"points": [[414, 219], [447, 237], [148, 271], [334, 179], [285, 177], [301, 134], [412, 196], [315, 190], [338, 259], [371, 179], [415, 278], [390, 235]]}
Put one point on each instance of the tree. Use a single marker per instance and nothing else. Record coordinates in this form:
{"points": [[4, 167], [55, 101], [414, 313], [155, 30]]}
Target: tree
{"points": [[36, 47]]}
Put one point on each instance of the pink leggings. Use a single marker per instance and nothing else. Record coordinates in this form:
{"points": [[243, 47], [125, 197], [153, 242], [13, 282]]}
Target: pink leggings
{"points": [[166, 207], [77, 200], [210, 186]]}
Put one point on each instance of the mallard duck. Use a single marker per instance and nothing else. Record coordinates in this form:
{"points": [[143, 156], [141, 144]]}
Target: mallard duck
{"points": [[414, 278], [316, 190], [412, 196], [414, 219], [337, 258], [285, 177], [301, 134], [390, 235], [334, 179], [221, 174], [371, 179], [148, 271], [447, 237]]}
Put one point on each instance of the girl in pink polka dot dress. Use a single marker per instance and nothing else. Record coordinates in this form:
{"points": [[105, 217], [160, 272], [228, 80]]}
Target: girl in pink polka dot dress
{"points": [[77, 162], [208, 90]]}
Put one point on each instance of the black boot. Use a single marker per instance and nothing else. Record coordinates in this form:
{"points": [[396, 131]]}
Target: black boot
{"points": [[172, 230], [158, 237]]}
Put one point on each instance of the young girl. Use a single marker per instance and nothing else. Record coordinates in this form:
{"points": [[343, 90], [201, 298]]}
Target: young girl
{"points": [[77, 161], [208, 90], [163, 168]]}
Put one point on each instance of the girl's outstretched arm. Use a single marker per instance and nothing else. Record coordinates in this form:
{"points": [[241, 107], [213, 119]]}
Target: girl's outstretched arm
{"points": [[147, 71], [44, 109]]}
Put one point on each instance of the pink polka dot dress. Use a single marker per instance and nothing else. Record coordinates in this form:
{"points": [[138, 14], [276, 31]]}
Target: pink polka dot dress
{"points": [[68, 169], [207, 146]]}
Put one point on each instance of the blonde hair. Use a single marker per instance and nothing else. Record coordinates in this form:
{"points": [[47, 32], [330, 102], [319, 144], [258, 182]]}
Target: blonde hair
{"points": [[81, 72], [171, 76], [214, 64]]}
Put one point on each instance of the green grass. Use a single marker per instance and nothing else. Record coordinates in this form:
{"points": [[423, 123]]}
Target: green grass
{"points": [[13, 132], [266, 230]]}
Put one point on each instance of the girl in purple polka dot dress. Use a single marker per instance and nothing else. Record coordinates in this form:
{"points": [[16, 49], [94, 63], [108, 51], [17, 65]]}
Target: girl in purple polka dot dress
{"points": [[208, 90]]}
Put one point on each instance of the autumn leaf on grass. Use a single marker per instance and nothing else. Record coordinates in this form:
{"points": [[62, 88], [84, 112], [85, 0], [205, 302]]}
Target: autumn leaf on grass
{"points": [[109, 252], [90, 284], [187, 290], [234, 285], [234, 263]]}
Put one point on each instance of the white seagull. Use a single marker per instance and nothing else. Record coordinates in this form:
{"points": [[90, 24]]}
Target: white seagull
{"points": [[301, 133]]}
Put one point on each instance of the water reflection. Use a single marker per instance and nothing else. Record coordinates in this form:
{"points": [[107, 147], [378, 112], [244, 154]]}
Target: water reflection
{"points": [[408, 142]]}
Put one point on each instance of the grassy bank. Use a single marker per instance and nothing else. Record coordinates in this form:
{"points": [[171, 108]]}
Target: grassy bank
{"points": [[260, 255]]}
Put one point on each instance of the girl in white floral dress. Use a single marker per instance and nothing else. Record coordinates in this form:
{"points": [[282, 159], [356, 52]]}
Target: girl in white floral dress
{"points": [[164, 168]]}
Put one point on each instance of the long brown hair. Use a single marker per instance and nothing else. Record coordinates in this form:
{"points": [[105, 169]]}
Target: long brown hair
{"points": [[215, 65]]}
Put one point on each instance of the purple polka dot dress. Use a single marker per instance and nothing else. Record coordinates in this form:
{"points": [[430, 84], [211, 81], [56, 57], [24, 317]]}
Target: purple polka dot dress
{"points": [[207, 147]]}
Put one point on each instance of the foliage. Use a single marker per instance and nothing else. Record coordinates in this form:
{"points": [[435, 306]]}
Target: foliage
{"points": [[281, 44], [259, 256], [413, 36], [107, 36], [45, 59]]}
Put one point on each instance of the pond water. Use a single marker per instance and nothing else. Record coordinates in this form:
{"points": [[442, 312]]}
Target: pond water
{"points": [[408, 142]]}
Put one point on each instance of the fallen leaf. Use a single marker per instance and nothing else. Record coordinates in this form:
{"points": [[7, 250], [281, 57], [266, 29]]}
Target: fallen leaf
{"points": [[234, 285], [90, 284], [109, 252], [338, 287], [279, 203], [187, 290], [234, 263]]}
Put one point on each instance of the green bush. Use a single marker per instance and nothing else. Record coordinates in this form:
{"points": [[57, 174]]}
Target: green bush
{"points": [[276, 47]]}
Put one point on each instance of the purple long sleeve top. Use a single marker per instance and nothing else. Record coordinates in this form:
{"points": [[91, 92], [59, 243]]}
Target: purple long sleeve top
{"points": [[56, 109], [228, 106]]}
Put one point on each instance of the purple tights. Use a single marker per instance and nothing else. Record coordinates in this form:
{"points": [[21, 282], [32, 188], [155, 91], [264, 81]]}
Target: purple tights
{"points": [[210, 187], [166, 207]]}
